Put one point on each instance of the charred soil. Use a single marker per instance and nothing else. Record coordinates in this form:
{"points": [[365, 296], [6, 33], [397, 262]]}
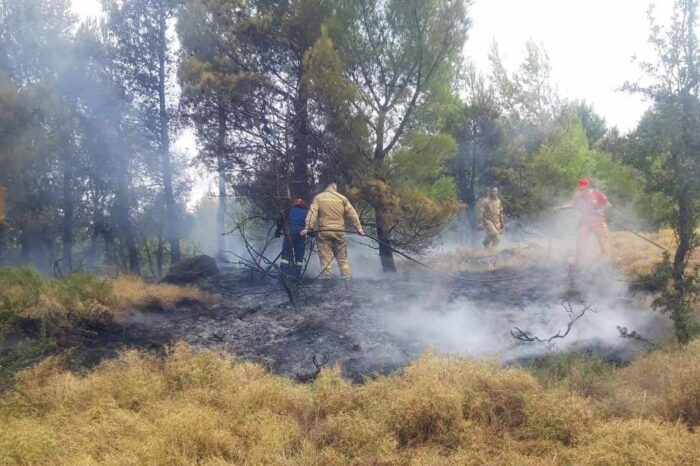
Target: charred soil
{"points": [[383, 324]]}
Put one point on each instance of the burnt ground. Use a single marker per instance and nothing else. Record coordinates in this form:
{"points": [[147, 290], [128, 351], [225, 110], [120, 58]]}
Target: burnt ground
{"points": [[385, 323]]}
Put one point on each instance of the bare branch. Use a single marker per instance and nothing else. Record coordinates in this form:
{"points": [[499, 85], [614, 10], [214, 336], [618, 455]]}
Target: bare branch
{"points": [[574, 316]]}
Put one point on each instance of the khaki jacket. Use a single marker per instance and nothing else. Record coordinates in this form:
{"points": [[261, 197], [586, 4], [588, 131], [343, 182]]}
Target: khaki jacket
{"points": [[331, 208], [490, 210]]}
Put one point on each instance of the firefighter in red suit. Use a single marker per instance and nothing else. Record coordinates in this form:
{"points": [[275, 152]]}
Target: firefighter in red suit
{"points": [[591, 204]]}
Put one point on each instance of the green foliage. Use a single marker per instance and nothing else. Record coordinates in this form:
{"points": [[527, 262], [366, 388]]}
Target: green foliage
{"points": [[400, 61], [567, 156], [526, 96], [667, 146], [422, 161], [420, 197], [677, 297], [562, 160], [580, 372]]}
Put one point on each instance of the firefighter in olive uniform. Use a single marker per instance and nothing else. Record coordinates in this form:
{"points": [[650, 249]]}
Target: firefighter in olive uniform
{"points": [[490, 218], [330, 209]]}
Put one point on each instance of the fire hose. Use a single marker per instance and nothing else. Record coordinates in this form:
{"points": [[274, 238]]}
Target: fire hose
{"points": [[451, 275], [430, 267], [638, 235]]}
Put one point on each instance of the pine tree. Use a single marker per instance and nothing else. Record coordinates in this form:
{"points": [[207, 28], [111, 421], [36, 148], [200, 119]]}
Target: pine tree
{"points": [[143, 55]]}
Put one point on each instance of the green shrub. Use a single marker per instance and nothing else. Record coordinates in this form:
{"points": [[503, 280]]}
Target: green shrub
{"points": [[580, 372]]}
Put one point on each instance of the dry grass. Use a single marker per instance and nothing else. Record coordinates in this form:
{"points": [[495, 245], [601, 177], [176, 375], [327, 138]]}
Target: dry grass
{"points": [[466, 260], [664, 384], [208, 409], [26, 294], [633, 256], [636, 257], [133, 293]]}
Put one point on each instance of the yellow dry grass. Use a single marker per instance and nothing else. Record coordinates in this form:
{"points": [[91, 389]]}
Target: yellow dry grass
{"points": [[636, 257], [25, 293], [133, 293], [664, 384], [466, 260], [633, 256], [208, 409]]}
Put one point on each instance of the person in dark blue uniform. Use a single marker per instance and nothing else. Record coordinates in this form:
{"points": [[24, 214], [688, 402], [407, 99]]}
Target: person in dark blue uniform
{"points": [[293, 246]]}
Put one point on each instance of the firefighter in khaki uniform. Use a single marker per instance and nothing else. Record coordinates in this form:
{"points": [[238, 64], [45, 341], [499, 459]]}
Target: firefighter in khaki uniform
{"points": [[490, 218], [331, 208]]}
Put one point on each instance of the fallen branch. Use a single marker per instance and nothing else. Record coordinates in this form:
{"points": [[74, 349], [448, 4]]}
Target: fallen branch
{"points": [[634, 335], [306, 378], [574, 316]]}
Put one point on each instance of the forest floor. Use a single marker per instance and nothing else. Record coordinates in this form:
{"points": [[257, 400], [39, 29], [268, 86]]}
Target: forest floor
{"points": [[384, 324]]}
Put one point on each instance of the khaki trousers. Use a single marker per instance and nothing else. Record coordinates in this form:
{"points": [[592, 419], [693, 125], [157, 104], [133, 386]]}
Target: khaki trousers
{"points": [[333, 245], [493, 234]]}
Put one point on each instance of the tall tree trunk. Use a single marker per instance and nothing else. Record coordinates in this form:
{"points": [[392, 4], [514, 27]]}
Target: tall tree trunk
{"points": [[301, 187], [126, 229], [110, 248], [68, 200], [168, 195], [3, 244], [386, 254], [24, 249], [127, 233], [50, 251], [160, 252], [68, 206], [681, 313], [3, 224], [471, 198], [91, 256], [220, 158]]}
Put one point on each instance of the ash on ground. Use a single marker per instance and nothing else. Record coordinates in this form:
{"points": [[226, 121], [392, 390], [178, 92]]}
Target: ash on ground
{"points": [[383, 324]]}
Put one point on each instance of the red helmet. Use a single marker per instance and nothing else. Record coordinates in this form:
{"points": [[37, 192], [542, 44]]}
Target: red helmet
{"points": [[583, 183]]}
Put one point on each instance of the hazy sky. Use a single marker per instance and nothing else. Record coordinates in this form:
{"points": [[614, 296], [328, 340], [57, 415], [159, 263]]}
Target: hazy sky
{"points": [[590, 44]]}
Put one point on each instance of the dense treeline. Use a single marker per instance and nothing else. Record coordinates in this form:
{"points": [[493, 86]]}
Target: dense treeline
{"points": [[287, 94]]}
